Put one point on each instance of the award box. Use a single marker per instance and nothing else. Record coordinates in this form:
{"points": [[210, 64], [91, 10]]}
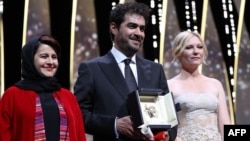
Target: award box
{"points": [[152, 108]]}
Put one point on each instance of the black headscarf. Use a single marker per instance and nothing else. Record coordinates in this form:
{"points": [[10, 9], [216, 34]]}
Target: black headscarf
{"points": [[32, 79]]}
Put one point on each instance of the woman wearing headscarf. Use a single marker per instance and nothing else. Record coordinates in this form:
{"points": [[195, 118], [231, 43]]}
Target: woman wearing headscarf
{"points": [[37, 107]]}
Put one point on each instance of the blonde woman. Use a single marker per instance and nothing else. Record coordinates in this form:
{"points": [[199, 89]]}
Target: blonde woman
{"points": [[204, 109]]}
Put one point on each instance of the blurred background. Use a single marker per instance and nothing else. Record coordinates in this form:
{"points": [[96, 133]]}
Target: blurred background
{"points": [[81, 26]]}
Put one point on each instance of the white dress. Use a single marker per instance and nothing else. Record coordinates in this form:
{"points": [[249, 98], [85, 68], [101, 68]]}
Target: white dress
{"points": [[198, 118]]}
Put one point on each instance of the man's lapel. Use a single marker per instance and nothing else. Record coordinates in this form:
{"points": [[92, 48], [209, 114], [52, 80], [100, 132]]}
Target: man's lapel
{"points": [[143, 72], [112, 71]]}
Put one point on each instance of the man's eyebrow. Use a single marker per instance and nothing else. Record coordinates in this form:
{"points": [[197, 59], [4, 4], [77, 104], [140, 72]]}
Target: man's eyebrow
{"points": [[135, 24]]}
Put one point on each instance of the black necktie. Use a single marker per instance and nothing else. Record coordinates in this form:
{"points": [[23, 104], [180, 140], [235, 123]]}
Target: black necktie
{"points": [[129, 77]]}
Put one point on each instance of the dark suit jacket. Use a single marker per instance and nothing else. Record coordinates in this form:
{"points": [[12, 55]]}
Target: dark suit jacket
{"points": [[101, 91]]}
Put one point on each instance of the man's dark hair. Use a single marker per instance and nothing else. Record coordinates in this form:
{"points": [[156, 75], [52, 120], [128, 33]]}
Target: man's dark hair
{"points": [[117, 15]]}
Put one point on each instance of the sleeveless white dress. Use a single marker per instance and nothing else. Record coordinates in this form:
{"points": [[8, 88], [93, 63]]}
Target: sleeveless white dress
{"points": [[198, 118]]}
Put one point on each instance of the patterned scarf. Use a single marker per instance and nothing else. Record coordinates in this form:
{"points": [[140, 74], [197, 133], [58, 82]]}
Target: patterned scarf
{"points": [[39, 123]]}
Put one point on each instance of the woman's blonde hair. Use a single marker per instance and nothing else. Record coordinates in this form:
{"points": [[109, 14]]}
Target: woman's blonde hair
{"points": [[179, 43]]}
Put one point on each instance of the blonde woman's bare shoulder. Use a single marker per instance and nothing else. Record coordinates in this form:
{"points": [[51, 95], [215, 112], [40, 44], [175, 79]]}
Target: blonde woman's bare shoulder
{"points": [[214, 80], [172, 83], [175, 78], [172, 80], [214, 83]]}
